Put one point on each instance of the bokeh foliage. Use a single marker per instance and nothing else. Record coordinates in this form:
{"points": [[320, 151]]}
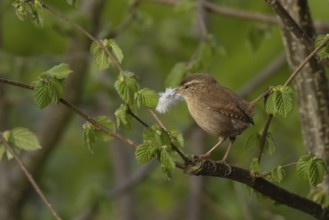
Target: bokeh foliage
{"points": [[159, 38]]}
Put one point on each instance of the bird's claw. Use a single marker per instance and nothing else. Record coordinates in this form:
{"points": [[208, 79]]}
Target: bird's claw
{"points": [[227, 165], [201, 157]]}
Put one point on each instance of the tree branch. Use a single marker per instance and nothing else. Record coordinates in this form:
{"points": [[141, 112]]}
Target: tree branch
{"points": [[30, 178], [259, 184], [78, 112]]}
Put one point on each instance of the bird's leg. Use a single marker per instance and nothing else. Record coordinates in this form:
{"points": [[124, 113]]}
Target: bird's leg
{"points": [[206, 155], [223, 160], [232, 139]]}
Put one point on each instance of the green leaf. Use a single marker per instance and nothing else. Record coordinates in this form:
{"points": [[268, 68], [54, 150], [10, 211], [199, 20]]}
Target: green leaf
{"points": [[311, 168], [23, 138], [176, 137], [91, 133], [319, 195], [101, 58], [255, 166], [323, 53], [147, 97], [47, 91], [176, 75], [302, 166], [122, 116], [280, 101], [144, 153], [29, 10], [156, 136], [316, 171], [277, 174], [60, 71], [167, 162], [106, 122], [126, 86], [55, 89], [115, 49], [89, 136], [152, 136], [41, 94]]}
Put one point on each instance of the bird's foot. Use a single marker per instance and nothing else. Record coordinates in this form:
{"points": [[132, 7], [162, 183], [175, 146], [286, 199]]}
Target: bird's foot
{"points": [[227, 165], [205, 157], [201, 157]]}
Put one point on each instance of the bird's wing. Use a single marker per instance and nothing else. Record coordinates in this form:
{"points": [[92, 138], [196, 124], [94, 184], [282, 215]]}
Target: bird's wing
{"points": [[227, 103]]}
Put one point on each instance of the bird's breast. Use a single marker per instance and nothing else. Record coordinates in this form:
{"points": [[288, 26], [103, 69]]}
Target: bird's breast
{"points": [[214, 122]]}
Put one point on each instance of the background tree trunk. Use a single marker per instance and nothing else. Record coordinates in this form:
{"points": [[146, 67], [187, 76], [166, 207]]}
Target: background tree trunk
{"points": [[13, 183], [311, 84]]}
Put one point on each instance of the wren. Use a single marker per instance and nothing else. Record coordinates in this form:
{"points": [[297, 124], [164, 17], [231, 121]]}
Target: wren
{"points": [[216, 109]]}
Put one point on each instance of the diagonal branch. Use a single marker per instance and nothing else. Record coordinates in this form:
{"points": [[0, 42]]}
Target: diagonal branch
{"points": [[259, 184], [78, 112], [29, 177]]}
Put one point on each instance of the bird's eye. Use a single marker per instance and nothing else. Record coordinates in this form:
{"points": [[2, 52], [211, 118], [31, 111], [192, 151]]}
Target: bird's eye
{"points": [[186, 86]]}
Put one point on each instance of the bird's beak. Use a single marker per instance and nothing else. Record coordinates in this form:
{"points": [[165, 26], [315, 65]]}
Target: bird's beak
{"points": [[175, 91]]}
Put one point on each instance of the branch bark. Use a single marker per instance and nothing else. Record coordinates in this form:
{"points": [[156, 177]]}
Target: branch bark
{"points": [[260, 184], [311, 84]]}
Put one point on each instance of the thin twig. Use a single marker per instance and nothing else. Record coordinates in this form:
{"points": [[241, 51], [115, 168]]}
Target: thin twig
{"points": [[85, 32], [77, 111], [175, 148], [300, 67], [130, 112], [263, 137], [289, 80], [30, 178], [283, 167]]}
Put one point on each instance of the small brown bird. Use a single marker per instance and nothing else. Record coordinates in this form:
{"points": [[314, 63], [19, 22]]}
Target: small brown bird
{"points": [[216, 109]]}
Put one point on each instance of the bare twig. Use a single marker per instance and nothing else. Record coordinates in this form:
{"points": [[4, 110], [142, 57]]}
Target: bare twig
{"points": [[85, 32], [30, 178], [307, 59], [263, 137]]}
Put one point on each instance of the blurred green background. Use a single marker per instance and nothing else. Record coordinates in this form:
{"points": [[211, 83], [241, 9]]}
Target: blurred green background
{"points": [[161, 35]]}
